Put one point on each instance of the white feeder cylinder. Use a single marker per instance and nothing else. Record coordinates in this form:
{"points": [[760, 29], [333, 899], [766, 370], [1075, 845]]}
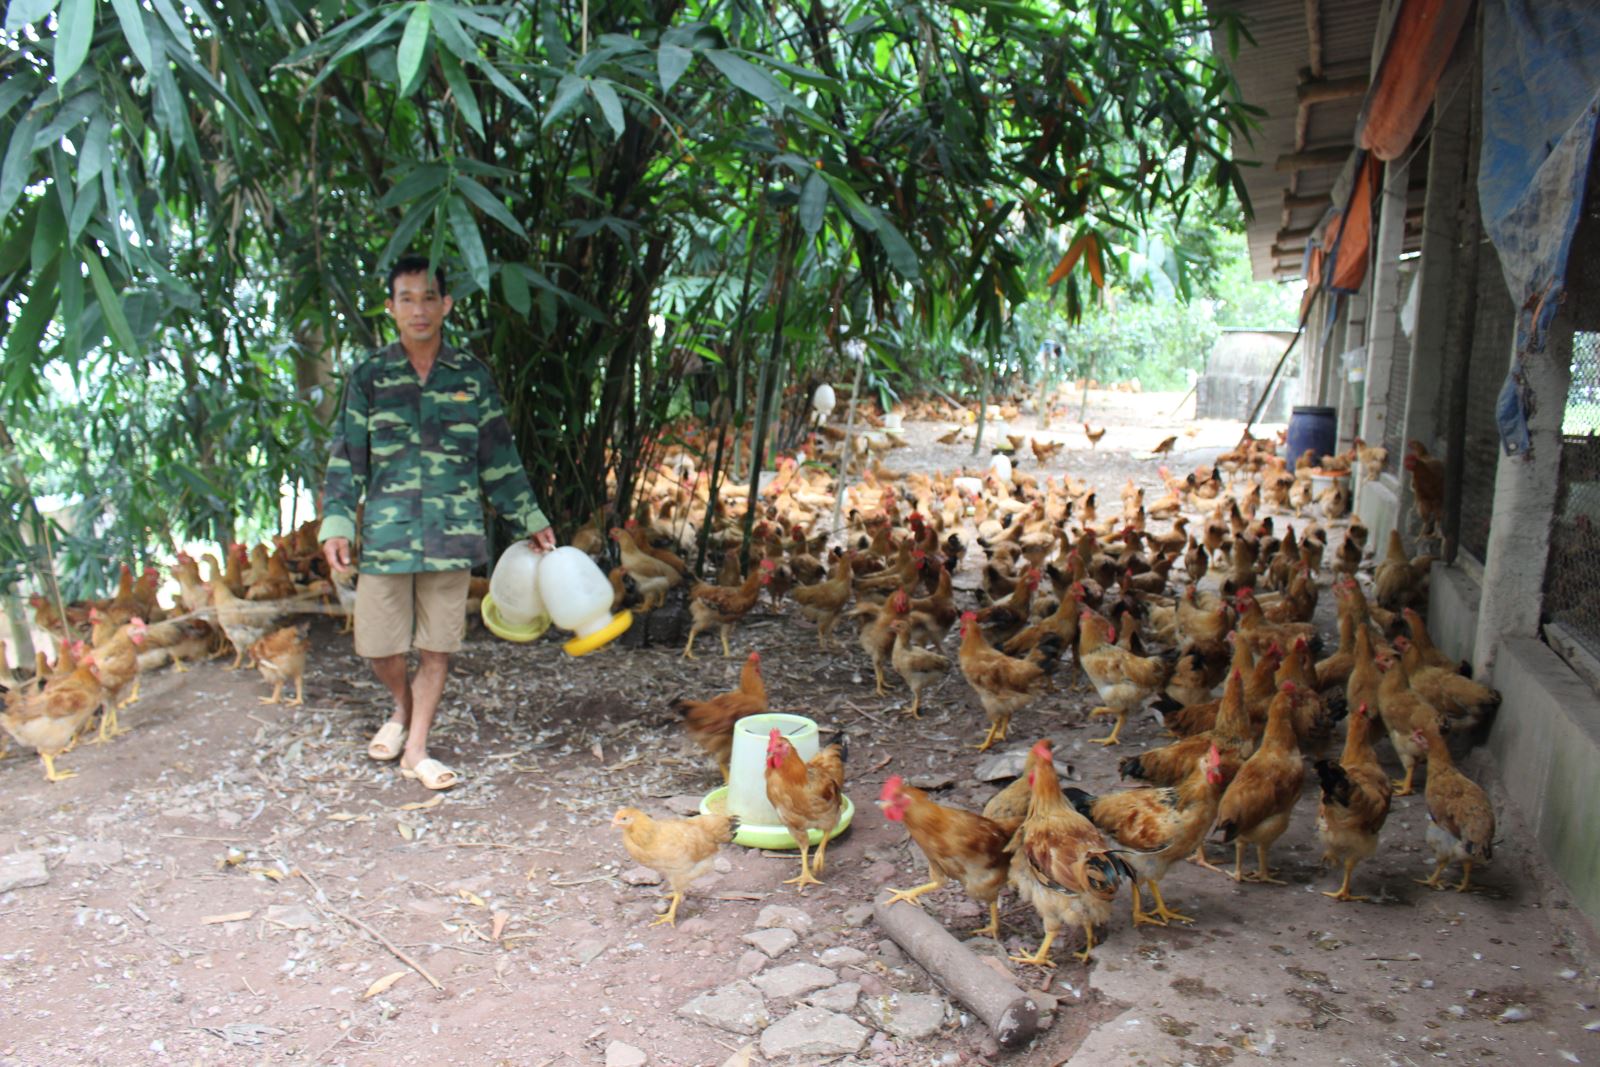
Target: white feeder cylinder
{"points": [[515, 585], [823, 401], [747, 767], [576, 594]]}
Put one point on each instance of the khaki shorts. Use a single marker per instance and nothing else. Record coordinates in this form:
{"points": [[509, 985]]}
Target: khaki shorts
{"points": [[398, 612]]}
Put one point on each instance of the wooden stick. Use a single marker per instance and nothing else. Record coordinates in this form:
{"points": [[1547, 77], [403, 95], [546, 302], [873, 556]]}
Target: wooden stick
{"points": [[1012, 1015], [386, 943]]}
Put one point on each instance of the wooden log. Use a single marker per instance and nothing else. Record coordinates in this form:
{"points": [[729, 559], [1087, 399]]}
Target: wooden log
{"points": [[1313, 158], [1012, 1015]]}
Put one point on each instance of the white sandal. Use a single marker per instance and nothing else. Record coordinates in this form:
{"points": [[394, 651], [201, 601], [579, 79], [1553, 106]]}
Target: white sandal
{"points": [[432, 774], [388, 742]]}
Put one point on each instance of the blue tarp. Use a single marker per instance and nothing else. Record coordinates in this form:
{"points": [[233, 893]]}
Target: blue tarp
{"points": [[1541, 99]]}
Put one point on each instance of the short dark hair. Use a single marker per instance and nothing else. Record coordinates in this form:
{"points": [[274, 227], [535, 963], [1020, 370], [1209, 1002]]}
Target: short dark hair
{"points": [[414, 264]]}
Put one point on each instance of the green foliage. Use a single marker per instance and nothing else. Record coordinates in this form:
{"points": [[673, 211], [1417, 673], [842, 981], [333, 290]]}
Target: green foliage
{"points": [[630, 195]]}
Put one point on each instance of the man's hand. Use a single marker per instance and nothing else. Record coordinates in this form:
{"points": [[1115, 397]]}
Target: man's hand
{"points": [[544, 540], [337, 552]]}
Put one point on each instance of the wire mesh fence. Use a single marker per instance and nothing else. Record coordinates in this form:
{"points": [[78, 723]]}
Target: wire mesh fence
{"points": [[1486, 371], [1573, 572], [1399, 381]]}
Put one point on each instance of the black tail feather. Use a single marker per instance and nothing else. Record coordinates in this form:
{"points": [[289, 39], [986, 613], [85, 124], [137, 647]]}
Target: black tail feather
{"points": [[1335, 783], [1079, 799]]}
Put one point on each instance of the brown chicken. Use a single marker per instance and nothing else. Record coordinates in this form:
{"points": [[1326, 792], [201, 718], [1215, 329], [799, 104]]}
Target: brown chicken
{"points": [[1233, 736], [1400, 581], [958, 845], [1160, 826], [714, 605], [808, 796], [680, 850], [1256, 807], [1355, 801], [642, 563], [822, 603], [276, 584], [242, 621], [1123, 680], [281, 658], [710, 722], [1165, 446], [919, 667], [1042, 451], [1459, 698], [1460, 818], [1003, 620], [876, 639], [1003, 683], [1062, 865], [1093, 435], [1405, 713], [1427, 486], [1012, 801], [48, 719], [117, 666]]}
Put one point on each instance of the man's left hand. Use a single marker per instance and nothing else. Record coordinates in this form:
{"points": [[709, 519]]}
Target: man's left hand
{"points": [[544, 540]]}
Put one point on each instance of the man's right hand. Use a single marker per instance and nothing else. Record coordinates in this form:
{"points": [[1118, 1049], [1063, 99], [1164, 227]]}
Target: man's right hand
{"points": [[337, 552]]}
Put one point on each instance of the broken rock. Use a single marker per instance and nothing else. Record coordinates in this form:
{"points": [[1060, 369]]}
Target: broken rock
{"points": [[909, 1015], [774, 915], [774, 942], [738, 1008], [795, 980], [841, 997], [619, 1054], [87, 853], [813, 1032], [21, 870]]}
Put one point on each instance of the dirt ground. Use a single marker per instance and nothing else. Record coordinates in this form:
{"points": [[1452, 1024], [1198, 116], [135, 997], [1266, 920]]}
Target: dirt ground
{"points": [[217, 878]]}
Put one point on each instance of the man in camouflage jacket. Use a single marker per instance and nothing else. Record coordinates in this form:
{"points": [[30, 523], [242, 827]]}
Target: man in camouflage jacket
{"points": [[420, 440]]}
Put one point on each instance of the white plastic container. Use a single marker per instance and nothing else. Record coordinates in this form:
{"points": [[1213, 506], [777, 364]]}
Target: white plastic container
{"points": [[747, 767], [578, 598], [823, 401], [514, 608], [893, 423], [1000, 467]]}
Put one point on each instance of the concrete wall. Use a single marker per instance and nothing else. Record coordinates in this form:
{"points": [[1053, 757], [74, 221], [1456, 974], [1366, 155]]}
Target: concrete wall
{"points": [[1453, 611], [1378, 504], [1546, 741]]}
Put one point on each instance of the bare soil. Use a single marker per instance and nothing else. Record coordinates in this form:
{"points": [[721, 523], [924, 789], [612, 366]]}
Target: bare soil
{"points": [[214, 875]]}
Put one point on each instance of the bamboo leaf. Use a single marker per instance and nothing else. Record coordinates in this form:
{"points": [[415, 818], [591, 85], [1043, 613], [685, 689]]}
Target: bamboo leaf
{"points": [[413, 46], [899, 250], [672, 61], [568, 92], [515, 288], [17, 168], [74, 31], [131, 16], [752, 79], [813, 203], [111, 306], [610, 106], [469, 241], [489, 204], [20, 13], [466, 101]]}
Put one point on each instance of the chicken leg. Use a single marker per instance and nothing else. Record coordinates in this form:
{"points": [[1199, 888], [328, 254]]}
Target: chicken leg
{"points": [[1165, 914], [132, 697], [1116, 731], [1199, 859], [688, 648], [108, 724], [916, 703], [1432, 881], [671, 917], [50, 772], [1343, 893], [277, 694], [935, 881], [726, 651], [1263, 874], [1041, 957], [993, 929], [805, 877], [1402, 786]]}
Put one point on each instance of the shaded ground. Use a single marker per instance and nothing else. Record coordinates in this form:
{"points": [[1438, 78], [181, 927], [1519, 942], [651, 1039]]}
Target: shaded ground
{"points": [[509, 890]]}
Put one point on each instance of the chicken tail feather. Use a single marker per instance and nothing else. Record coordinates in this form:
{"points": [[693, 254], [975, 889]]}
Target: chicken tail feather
{"points": [[1080, 799]]}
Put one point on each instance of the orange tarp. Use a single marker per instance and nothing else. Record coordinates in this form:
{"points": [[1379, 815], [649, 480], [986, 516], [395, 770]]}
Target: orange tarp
{"points": [[1349, 245], [1424, 35]]}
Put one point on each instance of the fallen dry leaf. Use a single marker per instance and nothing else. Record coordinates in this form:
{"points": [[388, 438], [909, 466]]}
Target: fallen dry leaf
{"points": [[348, 816], [231, 917], [383, 983], [423, 805], [499, 925], [471, 898], [266, 872], [406, 831]]}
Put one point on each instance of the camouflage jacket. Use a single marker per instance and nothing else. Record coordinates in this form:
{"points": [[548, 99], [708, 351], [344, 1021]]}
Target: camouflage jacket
{"points": [[422, 457]]}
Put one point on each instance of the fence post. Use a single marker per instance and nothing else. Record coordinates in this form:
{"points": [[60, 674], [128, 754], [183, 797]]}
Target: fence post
{"points": [[1525, 491]]}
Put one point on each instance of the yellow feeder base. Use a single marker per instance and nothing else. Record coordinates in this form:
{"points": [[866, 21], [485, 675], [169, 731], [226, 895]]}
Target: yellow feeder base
{"points": [[582, 646], [506, 631]]}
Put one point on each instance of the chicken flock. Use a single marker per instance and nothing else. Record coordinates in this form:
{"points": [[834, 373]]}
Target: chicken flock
{"points": [[1071, 593], [1206, 623]]}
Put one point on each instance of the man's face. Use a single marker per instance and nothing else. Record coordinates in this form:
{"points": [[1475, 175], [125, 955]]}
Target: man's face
{"points": [[417, 306]]}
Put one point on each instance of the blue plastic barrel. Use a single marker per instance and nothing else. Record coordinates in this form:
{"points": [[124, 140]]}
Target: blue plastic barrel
{"points": [[1316, 428]]}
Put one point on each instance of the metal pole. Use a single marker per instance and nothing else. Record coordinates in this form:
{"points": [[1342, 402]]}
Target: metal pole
{"points": [[849, 434]]}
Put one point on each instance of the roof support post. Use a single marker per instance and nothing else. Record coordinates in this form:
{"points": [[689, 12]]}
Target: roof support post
{"points": [[1385, 290], [1525, 491], [1436, 365]]}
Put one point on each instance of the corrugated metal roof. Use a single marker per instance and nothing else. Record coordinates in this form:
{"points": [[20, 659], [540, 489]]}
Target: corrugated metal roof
{"points": [[1269, 74]]}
